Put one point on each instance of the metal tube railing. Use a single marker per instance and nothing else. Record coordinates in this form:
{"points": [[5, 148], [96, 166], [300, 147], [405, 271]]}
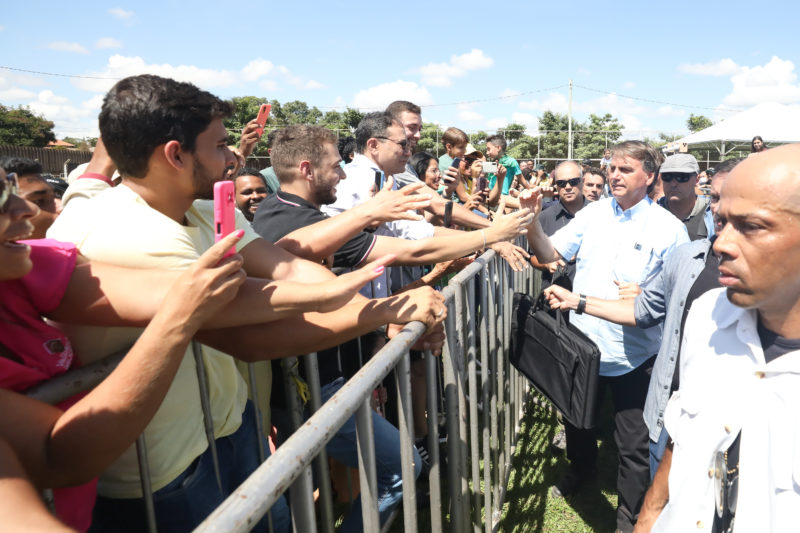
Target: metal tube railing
{"points": [[482, 400]]}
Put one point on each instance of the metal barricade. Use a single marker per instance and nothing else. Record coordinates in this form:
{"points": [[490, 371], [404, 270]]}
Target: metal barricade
{"points": [[482, 403]]}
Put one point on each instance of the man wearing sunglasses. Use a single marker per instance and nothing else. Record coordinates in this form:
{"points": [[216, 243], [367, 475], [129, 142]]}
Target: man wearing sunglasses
{"points": [[568, 181], [679, 178]]}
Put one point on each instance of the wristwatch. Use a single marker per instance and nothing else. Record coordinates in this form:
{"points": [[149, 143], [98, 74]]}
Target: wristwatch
{"points": [[581, 304]]}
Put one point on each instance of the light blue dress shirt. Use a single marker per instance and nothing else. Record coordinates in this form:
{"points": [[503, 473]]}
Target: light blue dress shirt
{"points": [[609, 244]]}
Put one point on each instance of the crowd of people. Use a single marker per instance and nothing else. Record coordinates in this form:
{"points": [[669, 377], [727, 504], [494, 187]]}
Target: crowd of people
{"points": [[644, 254]]}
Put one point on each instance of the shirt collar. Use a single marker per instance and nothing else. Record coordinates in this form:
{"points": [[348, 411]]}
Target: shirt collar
{"points": [[293, 200], [564, 212], [640, 207], [360, 160]]}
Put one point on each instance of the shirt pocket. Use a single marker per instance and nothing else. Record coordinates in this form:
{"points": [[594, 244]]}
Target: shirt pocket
{"points": [[635, 264]]}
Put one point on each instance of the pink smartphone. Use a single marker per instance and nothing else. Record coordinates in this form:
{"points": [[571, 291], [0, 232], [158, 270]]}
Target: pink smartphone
{"points": [[224, 218], [263, 114]]}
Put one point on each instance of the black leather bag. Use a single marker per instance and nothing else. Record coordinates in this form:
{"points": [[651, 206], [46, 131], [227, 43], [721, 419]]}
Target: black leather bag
{"points": [[558, 358]]}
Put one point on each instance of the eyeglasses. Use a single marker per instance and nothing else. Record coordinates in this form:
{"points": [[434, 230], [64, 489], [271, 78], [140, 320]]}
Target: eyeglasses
{"points": [[573, 182], [9, 188], [402, 144], [680, 177]]}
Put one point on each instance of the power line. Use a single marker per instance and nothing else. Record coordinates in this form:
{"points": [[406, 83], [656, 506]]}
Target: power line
{"points": [[657, 101], [55, 74], [463, 102]]}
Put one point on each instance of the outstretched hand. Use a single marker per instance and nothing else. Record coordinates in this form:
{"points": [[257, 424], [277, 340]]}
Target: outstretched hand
{"points": [[560, 298], [251, 134], [335, 293], [514, 255], [513, 224], [532, 199], [389, 205]]}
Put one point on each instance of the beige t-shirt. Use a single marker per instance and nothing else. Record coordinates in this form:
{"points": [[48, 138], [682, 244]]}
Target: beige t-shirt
{"points": [[117, 226]]}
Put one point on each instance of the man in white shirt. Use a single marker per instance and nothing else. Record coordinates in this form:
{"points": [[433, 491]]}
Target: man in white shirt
{"points": [[733, 462]]}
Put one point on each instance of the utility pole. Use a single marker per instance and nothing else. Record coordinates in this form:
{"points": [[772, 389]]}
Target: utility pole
{"points": [[569, 116]]}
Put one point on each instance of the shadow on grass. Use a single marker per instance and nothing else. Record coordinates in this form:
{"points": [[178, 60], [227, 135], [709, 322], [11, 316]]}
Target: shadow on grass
{"points": [[535, 468]]}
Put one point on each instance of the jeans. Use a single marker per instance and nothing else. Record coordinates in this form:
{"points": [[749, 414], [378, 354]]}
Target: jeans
{"points": [[657, 452], [187, 500], [343, 448]]}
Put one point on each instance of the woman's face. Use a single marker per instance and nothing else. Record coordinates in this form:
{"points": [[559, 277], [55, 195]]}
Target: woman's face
{"points": [[758, 145], [432, 175], [15, 225]]}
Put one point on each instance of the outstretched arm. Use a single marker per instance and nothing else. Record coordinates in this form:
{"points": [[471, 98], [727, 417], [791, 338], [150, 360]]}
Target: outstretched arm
{"points": [[54, 446], [618, 311], [657, 495]]}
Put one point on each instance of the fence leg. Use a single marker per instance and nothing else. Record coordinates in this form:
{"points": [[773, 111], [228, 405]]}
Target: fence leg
{"points": [[366, 466], [405, 419], [321, 466], [147, 488], [434, 481], [205, 403], [485, 395], [473, 404], [449, 356]]}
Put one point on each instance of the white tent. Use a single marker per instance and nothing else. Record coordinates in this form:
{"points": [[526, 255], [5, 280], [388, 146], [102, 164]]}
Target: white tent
{"points": [[775, 123]]}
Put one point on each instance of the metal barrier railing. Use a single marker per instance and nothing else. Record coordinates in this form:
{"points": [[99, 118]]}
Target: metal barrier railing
{"points": [[482, 401]]}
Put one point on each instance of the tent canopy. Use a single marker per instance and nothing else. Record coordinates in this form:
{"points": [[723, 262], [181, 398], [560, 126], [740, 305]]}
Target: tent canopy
{"points": [[775, 123]]}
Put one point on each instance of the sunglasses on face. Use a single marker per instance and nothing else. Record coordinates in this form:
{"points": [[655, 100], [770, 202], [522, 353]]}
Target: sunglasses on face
{"points": [[9, 188], [402, 144], [573, 182], [680, 177]]}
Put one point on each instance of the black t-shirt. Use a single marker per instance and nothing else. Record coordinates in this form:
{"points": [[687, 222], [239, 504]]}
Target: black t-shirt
{"points": [[774, 346], [707, 279], [554, 217], [282, 213], [277, 216]]}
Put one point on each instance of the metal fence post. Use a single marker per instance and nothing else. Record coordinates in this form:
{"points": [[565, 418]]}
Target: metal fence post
{"points": [[451, 403], [473, 403], [321, 466], [366, 466], [405, 420], [434, 481]]}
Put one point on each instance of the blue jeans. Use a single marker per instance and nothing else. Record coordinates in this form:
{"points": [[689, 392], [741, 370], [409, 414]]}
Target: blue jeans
{"points": [[188, 499], [657, 452], [344, 449]]}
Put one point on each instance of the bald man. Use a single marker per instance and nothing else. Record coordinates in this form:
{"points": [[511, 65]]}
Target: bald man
{"points": [[733, 422]]}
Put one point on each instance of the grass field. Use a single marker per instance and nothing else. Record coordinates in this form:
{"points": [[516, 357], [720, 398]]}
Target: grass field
{"points": [[535, 467]]}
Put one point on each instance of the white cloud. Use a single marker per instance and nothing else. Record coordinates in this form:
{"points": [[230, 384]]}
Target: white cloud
{"points": [[256, 69], [584, 71], [121, 66], [15, 94], [669, 111], [379, 96], [69, 119], [530, 122], [442, 74], [469, 116], [721, 67], [2, 28], [63, 46], [259, 68], [107, 42], [496, 123], [629, 85], [774, 82], [555, 102], [121, 14], [269, 85]]}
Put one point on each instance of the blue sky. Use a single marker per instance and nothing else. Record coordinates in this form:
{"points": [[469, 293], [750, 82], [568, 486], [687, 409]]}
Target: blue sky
{"points": [[462, 62]]}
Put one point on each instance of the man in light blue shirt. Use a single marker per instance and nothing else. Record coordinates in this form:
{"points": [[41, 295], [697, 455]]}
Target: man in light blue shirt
{"points": [[617, 242]]}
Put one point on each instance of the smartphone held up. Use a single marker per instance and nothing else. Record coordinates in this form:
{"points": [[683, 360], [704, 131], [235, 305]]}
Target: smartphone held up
{"points": [[224, 215]]}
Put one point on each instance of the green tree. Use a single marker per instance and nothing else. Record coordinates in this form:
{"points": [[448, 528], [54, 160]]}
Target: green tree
{"points": [[19, 126], [297, 112], [526, 147], [554, 136], [245, 109], [84, 143], [698, 122], [594, 136], [513, 132], [430, 139], [345, 120]]}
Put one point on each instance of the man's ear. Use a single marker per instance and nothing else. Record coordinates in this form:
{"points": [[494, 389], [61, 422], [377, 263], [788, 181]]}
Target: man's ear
{"points": [[307, 170], [174, 155], [372, 144]]}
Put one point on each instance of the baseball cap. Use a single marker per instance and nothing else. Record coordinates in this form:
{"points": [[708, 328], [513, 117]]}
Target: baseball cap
{"points": [[540, 166], [586, 161], [685, 163]]}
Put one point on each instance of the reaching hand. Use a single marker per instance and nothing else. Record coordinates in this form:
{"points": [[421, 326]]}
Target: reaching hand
{"points": [[511, 225], [560, 298], [390, 205], [423, 304], [206, 287], [515, 256], [552, 267], [335, 293], [627, 289], [532, 199], [251, 134]]}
